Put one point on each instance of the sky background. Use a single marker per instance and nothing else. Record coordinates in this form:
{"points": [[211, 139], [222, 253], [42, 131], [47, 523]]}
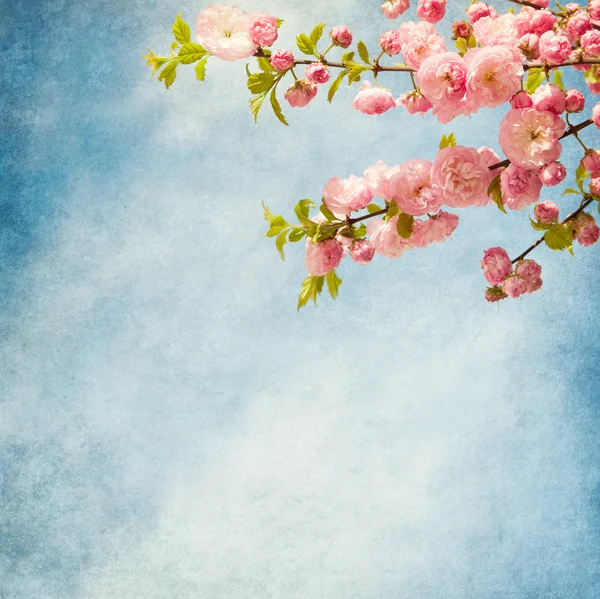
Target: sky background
{"points": [[171, 427]]}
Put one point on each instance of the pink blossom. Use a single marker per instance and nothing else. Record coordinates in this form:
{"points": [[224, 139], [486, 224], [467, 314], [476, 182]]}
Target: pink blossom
{"points": [[591, 161], [362, 251], [390, 42], [549, 97], [432, 11], [342, 196], [488, 156], [373, 100], [479, 10], [394, 8], [413, 189], [521, 100], [496, 265], [594, 9], [542, 3], [554, 49], [579, 22], [224, 32], [552, 174], [411, 29], [497, 32], [420, 45], [462, 29], [317, 73], [585, 229], [462, 177], [385, 239], [542, 21], [443, 78], [282, 60], [494, 294], [530, 138], [514, 286], [529, 44], [300, 93], [494, 75], [546, 212], [519, 187], [596, 115], [434, 230], [531, 272], [341, 36], [522, 21], [447, 111], [380, 178], [263, 29], [414, 102], [590, 42], [595, 182], [574, 100], [322, 257]]}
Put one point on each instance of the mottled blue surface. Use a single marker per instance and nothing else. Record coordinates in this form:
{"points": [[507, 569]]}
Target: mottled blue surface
{"points": [[170, 427]]}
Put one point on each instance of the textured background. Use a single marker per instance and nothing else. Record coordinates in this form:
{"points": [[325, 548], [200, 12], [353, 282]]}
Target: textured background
{"points": [[170, 427]]}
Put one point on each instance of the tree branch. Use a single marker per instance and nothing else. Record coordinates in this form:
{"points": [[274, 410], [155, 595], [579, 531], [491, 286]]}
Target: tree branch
{"points": [[538, 7]]}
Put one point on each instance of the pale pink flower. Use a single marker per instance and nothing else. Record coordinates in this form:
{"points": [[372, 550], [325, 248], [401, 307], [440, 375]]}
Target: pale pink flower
{"points": [[591, 161], [462, 176], [542, 21], [522, 22], [585, 229], [494, 75], [497, 32], [300, 93], [373, 100], [514, 286], [530, 138], [282, 60], [443, 78], [549, 97], [590, 42], [434, 230], [413, 189], [263, 29], [411, 29], [224, 32], [554, 49], [420, 46], [321, 258], [542, 3], [414, 102], [521, 100], [579, 23], [362, 252], [342, 196], [394, 8], [494, 294], [594, 10], [432, 11], [479, 10], [496, 265], [596, 115], [531, 272], [595, 183], [390, 42], [341, 36], [574, 100], [519, 187], [385, 239], [546, 212], [552, 174], [489, 156], [380, 178], [529, 44], [447, 111], [317, 73]]}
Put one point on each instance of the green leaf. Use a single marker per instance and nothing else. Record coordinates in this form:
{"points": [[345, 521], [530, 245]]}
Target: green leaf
{"points": [[277, 106], [581, 175], [347, 56], [305, 45], [311, 287], [181, 30], [363, 52], [302, 210], [495, 192], [265, 65], [448, 141], [462, 46], [373, 208], [280, 22], [330, 216], [392, 210], [200, 69], [558, 79], [280, 242], [191, 52], [333, 284], [405, 225], [259, 83], [571, 190], [268, 214], [155, 61], [472, 41], [297, 234], [539, 226], [255, 105], [559, 237], [316, 34], [335, 85], [354, 75], [535, 78], [278, 224], [360, 231], [168, 74]]}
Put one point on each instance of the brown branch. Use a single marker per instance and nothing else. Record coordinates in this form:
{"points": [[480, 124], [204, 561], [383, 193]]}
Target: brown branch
{"points": [[587, 201], [569, 63]]}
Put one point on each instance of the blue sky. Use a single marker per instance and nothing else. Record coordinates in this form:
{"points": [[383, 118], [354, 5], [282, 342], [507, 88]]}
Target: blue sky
{"points": [[171, 427]]}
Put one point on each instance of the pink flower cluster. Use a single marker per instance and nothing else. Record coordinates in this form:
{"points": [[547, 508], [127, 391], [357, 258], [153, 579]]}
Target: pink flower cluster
{"points": [[508, 280]]}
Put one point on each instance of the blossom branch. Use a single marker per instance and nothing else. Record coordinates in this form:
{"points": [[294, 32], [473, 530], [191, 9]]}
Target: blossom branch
{"points": [[586, 202], [538, 7]]}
